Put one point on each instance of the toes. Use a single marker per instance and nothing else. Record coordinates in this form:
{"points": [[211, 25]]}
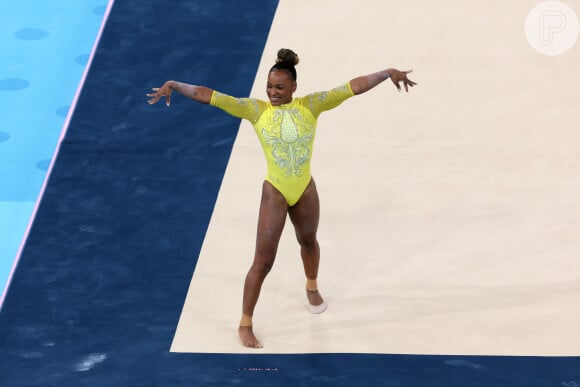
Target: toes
{"points": [[253, 344], [248, 339]]}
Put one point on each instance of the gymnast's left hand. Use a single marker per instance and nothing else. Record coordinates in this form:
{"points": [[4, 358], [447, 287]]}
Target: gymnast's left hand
{"points": [[398, 76]]}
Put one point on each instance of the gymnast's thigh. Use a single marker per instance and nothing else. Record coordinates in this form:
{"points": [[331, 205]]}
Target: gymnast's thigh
{"points": [[271, 220], [305, 215]]}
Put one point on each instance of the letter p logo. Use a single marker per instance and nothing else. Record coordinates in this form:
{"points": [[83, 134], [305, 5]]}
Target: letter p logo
{"points": [[550, 23], [552, 28]]}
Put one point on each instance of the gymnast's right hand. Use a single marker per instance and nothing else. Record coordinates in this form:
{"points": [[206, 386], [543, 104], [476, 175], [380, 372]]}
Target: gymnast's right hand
{"points": [[163, 91]]}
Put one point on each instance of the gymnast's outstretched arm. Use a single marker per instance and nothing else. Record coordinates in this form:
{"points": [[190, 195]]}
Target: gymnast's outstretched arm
{"points": [[200, 94], [364, 83]]}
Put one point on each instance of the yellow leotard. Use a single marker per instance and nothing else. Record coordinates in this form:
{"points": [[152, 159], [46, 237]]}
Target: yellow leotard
{"points": [[286, 133]]}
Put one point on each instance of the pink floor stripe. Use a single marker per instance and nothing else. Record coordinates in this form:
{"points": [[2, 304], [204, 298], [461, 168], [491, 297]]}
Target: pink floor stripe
{"points": [[62, 134]]}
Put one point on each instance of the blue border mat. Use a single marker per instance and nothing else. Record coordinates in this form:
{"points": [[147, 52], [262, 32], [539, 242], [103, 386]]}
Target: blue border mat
{"points": [[96, 298]]}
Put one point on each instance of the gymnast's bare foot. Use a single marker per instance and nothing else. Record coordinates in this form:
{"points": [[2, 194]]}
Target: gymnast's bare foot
{"points": [[316, 303], [247, 337]]}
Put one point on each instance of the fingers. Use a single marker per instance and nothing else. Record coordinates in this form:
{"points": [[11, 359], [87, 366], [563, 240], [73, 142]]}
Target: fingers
{"points": [[396, 83], [406, 84], [409, 83], [152, 94], [406, 81], [153, 100], [155, 97], [403, 78]]}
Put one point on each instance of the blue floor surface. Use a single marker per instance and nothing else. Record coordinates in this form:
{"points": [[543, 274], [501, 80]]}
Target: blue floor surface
{"points": [[98, 292]]}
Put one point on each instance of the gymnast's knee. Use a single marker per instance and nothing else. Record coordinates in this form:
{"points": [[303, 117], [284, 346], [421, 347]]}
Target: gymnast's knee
{"points": [[308, 241], [262, 266]]}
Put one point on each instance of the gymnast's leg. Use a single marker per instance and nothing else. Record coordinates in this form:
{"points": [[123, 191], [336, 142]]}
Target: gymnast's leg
{"points": [[271, 219], [305, 216]]}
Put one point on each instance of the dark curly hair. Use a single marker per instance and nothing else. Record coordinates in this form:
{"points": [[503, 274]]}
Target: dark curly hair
{"points": [[286, 61]]}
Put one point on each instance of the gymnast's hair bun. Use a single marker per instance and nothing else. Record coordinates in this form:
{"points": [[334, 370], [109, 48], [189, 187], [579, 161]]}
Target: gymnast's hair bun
{"points": [[287, 56]]}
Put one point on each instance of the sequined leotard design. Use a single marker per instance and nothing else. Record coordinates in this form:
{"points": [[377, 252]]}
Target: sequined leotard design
{"points": [[286, 133]]}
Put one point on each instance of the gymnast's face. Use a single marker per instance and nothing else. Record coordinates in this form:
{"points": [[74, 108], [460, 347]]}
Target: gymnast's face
{"points": [[280, 87]]}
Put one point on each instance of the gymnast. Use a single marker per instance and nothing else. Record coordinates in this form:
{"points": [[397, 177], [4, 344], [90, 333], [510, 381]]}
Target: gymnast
{"points": [[286, 128]]}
